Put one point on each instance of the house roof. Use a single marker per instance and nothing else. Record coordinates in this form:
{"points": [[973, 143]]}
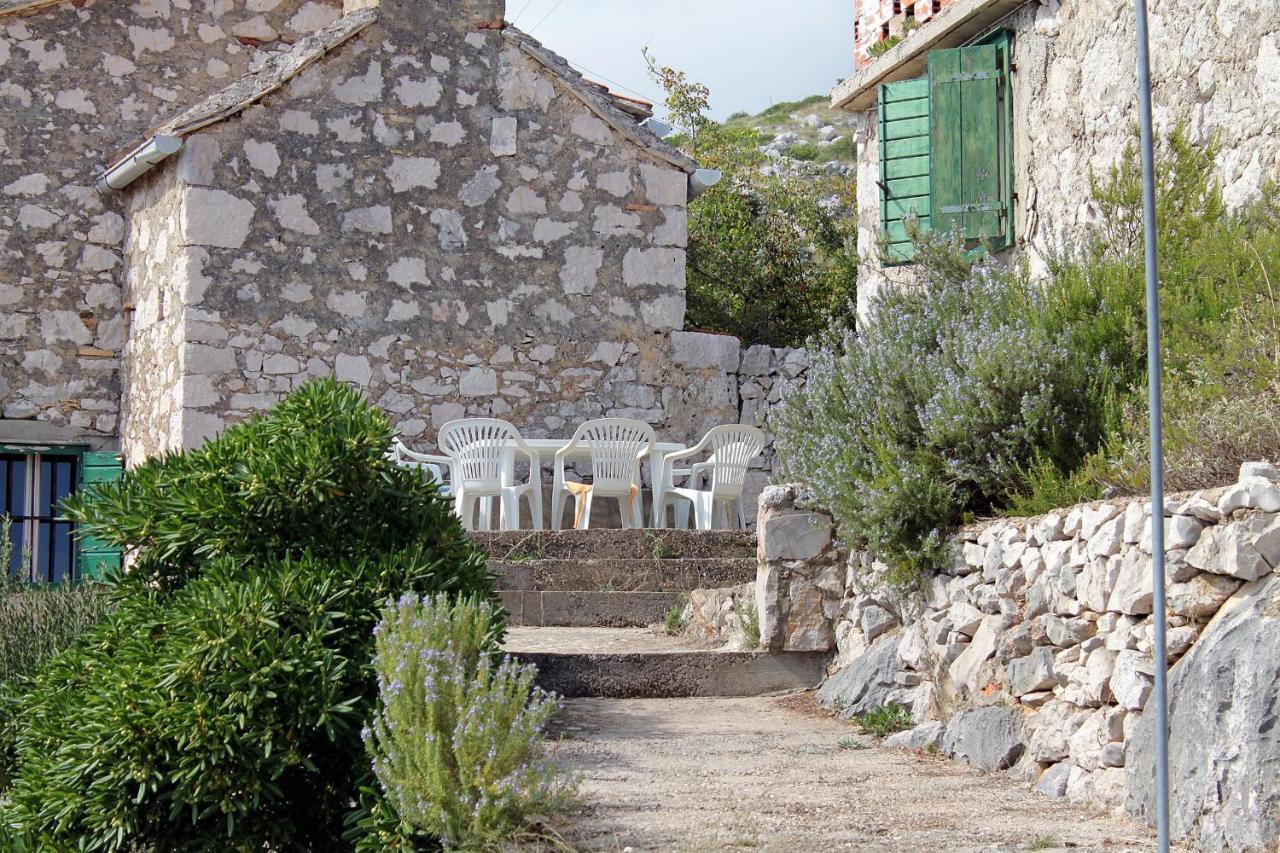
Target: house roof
{"points": [[600, 100], [955, 25], [618, 111], [15, 7]]}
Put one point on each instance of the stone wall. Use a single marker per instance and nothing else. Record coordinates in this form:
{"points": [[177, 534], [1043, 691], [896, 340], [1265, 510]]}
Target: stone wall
{"points": [[77, 82], [154, 358], [1216, 67], [1033, 652]]}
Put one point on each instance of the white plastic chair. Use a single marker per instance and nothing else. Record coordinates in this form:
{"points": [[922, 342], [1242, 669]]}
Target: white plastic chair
{"points": [[479, 450], [617, 446], [435, 466], [732, 447]]}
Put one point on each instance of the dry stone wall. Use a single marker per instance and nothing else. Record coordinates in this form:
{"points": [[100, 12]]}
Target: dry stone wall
{"points": [[77, 82], [1033, 652]]}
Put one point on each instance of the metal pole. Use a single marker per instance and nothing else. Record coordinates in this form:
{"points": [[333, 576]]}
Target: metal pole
{"points": [[1159, 695]]}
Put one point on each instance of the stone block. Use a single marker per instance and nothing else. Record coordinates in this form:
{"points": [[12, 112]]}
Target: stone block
{"points": [[1229, 549], [215, 218], [793, 534], [698, 350], [1031, 673], [989, 738], [924, 736], [865, 684], [1131, 680]]}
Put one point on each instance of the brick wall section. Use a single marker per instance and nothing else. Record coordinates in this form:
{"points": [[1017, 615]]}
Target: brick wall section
{"points": [[876, 20]]}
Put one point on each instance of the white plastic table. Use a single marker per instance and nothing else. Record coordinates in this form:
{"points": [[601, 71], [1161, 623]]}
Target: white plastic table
{"points": [[546, 448]]}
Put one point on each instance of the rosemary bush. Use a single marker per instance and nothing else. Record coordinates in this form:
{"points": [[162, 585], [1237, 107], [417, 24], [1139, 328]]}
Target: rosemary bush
{"points": [[457, 738]]}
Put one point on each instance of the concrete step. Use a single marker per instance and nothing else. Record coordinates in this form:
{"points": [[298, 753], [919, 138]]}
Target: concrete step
{"points": [[587, 609], [652, 544], [634, 663], [623, 575]]}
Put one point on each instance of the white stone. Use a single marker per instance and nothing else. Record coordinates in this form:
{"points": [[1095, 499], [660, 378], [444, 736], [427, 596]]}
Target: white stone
{"points": [[292, 214], [361, 89], [407, 173], [1229, 549], [1132, 591], [966, 669], [965, 618], [697, 350], [478, 382], [664, 185], [1250, 493], [371, 220], [588, 127], [502, 136], [353, 368], [581, 270], [262, 156], [660, 266], [1107, 538], [524, 200], [215, 218], [1132, 679], [1265, 470], [1093, 517]]}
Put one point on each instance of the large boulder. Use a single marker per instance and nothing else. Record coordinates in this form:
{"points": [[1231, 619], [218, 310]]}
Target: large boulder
{"points": [[1224, 723], [867, 683], [989, 738]]}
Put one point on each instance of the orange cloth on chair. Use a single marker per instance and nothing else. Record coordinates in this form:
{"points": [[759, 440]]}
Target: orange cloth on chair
{"points": [[577, 489]]}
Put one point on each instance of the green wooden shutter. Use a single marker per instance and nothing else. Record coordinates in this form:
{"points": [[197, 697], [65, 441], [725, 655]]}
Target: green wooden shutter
{"points": [[971, 195], [904, 165], [95, 557]]}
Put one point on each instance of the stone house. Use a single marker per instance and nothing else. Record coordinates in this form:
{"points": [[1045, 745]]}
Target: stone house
{"points": [[203, 203], [989, 115]]}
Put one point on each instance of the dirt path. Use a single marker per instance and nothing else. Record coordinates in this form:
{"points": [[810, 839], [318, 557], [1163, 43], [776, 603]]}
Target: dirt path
{"points": [[766, 773]]}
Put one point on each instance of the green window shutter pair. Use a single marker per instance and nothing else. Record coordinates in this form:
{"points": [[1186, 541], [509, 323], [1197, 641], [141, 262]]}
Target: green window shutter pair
{"points": [[96, 557], [945, 152]]}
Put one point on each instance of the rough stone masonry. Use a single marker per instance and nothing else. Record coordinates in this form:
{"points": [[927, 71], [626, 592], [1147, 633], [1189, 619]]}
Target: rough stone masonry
{"points": [[412, 196], [1032, 653]]}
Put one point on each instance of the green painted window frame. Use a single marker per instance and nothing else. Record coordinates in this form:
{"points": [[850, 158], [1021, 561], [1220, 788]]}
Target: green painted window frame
{"points": [[982, 199], [93, 557]]}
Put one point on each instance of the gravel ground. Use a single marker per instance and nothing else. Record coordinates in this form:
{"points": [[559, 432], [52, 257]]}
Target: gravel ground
{"points": [[767, 773]]}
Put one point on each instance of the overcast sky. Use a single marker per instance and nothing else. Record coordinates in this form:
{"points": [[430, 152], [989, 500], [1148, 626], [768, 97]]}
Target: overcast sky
{"points": [[752, 53]]}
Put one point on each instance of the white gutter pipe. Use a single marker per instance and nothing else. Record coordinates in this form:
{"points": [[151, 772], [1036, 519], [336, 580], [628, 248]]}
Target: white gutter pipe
{"points": [[139, 162], [702, 180]]}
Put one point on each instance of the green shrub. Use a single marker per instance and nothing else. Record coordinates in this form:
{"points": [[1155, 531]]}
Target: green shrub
{"points": [[40, 620], [885, 720], [770, 259], [931, 412], [804, 151], [220, 706], [456, 739]]}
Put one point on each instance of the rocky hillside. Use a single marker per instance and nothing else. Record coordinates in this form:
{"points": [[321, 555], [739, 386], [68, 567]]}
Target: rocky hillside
{"points": [[808, 131]]}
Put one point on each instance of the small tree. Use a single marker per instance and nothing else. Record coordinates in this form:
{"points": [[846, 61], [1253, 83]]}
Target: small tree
{"points": [[771, 259]]}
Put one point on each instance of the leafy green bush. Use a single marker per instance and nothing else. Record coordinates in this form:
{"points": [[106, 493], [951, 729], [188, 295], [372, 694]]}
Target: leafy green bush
{"points": [[885, 720], [220, 706], [456, 739], [806, 151]]}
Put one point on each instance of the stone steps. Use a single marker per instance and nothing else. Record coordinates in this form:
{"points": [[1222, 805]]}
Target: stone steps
{"points": [[628, 663], [578, 609], [635, 574], [635, 544]]}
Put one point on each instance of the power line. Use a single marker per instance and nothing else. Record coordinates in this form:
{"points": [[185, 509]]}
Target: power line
{"points": [[585, 70], [544, 17], [522, 11]]}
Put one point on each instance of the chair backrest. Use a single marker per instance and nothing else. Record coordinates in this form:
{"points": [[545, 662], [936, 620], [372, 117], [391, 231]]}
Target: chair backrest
{"points": [[477, 447], [617, 446], [733, 446]]}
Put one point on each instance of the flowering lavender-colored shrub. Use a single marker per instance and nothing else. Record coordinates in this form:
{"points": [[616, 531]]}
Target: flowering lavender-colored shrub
{"points": [[934, 408], [457, 739]]}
